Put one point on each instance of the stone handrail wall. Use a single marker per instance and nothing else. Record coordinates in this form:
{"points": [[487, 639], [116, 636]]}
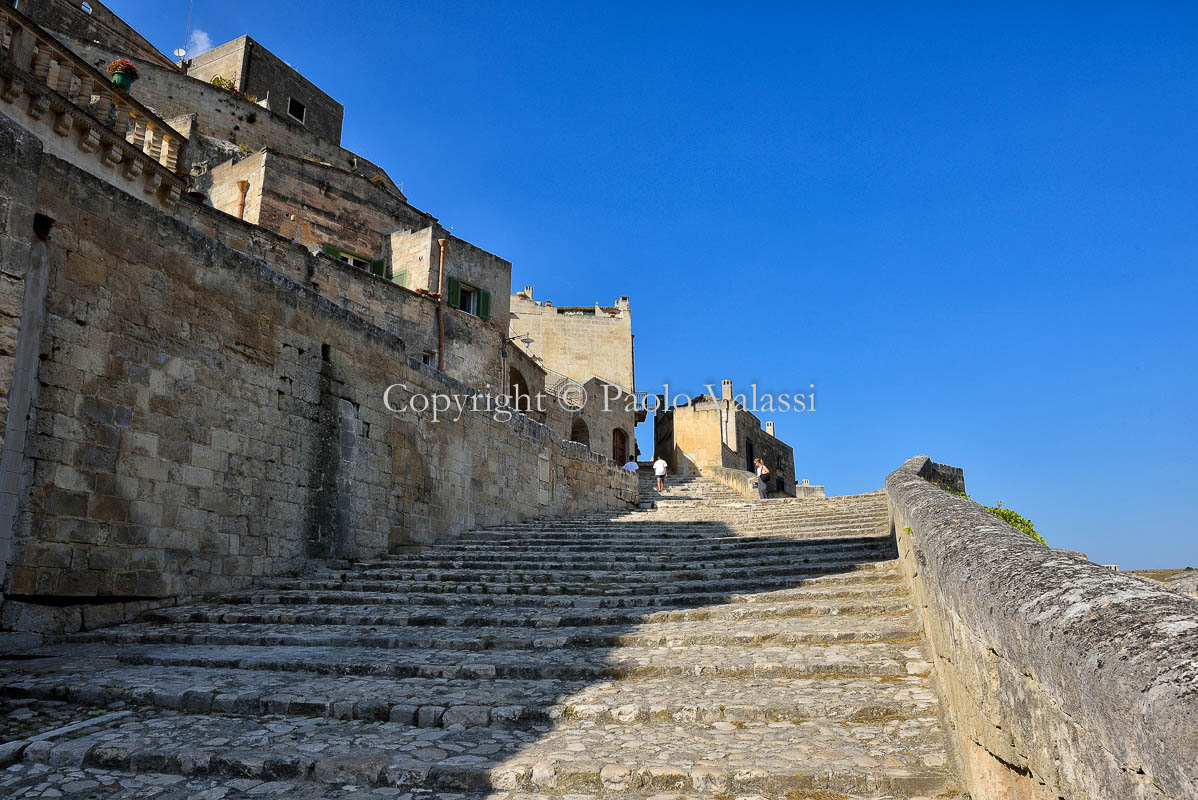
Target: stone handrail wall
{"points": [[1063, 679], [738, 480]]}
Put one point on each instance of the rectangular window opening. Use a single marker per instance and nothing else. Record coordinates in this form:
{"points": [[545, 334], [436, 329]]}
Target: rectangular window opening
{"points": [[296, 109], [428, 358], [469, 300]]}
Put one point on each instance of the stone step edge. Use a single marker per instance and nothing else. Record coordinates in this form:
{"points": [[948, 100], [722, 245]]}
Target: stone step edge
{"points": [[380, 769]]}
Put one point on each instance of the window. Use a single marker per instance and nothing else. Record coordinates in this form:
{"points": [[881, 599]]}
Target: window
{"points": [[470, 299], [296, 109], [375, 266], [87, 7], [401, 278], [429, 358]]}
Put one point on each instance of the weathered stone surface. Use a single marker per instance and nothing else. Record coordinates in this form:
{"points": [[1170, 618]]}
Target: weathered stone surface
{"points": [[1064, 678], [817, 689]]}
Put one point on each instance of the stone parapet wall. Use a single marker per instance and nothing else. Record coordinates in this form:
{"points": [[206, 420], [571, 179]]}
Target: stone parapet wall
{"points": [[736, 479], [207, 419], [1064, 679]]}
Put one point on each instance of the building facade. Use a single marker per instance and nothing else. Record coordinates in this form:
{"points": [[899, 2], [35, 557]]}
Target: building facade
{"points": [[720, 432]]}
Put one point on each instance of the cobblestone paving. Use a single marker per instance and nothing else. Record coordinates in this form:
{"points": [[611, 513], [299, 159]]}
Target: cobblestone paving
{"points": [[706, 648]]}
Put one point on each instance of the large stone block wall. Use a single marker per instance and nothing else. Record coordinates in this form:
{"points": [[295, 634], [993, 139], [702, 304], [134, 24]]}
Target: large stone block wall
{"points": [[472, 345], [205, 420], [263, 75], [577, 345], [68, 18], [1063, 679]]}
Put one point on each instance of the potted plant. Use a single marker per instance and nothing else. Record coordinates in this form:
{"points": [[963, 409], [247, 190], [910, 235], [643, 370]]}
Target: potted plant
{"points": [[123, 72]]}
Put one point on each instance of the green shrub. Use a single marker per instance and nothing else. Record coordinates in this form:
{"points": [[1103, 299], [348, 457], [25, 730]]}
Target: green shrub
{"points": [[1016, 520]]}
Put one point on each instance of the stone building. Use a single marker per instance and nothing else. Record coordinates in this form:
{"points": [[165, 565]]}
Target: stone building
{"points": [[251, 69], [711, 432], [586, 353], [216, 327]]}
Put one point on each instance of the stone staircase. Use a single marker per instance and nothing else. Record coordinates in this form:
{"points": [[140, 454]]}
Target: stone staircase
{"points": [[708, 648], [682, 489]]}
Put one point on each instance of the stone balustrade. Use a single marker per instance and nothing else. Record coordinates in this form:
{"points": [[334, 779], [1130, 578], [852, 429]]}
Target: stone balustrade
{"points": [[77, 102]]}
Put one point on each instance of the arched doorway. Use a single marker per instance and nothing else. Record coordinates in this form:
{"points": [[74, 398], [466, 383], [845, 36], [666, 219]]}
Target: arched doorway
{"points": [[579, 432], [619, 446], [518, 395]]}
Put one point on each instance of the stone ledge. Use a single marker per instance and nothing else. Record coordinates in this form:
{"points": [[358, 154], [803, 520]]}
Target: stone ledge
{"points": [[1082, 681]]}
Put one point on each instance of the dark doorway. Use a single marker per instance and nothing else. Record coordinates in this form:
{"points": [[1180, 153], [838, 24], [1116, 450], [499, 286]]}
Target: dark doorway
{"points": [[619, 445], [518, 394], [749, 456], [579, 432]]}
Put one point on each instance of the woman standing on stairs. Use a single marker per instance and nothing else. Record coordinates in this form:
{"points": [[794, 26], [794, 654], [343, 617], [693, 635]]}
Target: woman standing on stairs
{"points": [[763, 479]]}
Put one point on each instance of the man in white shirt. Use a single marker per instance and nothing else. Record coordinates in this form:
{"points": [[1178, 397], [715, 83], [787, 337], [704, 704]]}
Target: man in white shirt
{"points": [[659, 471], [632, 466]]}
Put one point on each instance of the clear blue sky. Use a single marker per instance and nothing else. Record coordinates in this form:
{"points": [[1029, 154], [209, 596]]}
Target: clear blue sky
{"points": [[974, 231]]}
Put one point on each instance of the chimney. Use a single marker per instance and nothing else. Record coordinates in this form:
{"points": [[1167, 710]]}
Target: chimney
{"points": [[726, 389], [769, 428], [527, 292]]}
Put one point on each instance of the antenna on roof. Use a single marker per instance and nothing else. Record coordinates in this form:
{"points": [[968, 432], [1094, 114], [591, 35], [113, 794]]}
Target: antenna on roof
{"points": [[182, 51]]}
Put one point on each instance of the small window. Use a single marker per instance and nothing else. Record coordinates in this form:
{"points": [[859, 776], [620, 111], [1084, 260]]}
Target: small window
{"points": [[353, 261], [469, 301], [401, 278], [429, 358], [296, 109], [87, 8]]}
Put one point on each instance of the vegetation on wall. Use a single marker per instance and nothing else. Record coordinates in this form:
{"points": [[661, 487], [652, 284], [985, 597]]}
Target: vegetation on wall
{"points": [[231, 87], [1007, 515]]}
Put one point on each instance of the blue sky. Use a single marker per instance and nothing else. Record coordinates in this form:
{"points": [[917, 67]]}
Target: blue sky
{"points": [[972, 230]]}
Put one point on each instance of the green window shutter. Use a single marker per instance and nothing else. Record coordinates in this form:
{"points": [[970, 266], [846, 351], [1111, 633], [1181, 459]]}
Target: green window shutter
{"points": [[378, 267], [455, 293], [400, 277], [484, 304], [331, 250]]}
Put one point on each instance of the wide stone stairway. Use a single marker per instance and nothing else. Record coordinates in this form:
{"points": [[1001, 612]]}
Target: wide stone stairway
{"points": [[709, 647]]}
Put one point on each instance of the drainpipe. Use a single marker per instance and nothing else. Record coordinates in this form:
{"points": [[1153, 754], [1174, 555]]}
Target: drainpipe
{"points": [[441, 306], [244, 186]]}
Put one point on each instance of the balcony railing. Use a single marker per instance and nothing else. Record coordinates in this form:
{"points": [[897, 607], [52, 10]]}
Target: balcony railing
{"points": [[109, 120]]}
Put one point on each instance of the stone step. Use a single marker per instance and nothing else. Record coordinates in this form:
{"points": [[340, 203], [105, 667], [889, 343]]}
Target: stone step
{"points": [[902, 757], [499, 703], [593, 573], [874, 600], [583, 587], [647, 526], [740, 550], [780, 631], [775, 661], [33, 780], [733, 547], [345, 595]]}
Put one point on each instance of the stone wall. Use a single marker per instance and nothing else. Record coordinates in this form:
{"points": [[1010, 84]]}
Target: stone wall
{"points": [[261, 74], [70, 19], [206, 420], [1064, 679], [581, 343], [225, 117]]}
